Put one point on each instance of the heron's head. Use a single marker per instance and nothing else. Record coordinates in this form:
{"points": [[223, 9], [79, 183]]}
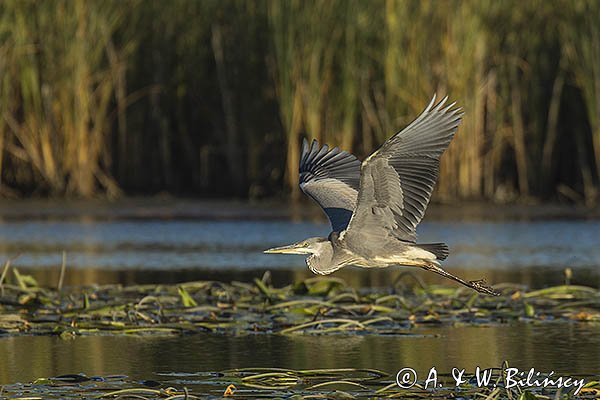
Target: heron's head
{"points": [[307, 246]]}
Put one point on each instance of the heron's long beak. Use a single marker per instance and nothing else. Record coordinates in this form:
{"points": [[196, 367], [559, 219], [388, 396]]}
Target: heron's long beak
{"points": [[289, 249]]}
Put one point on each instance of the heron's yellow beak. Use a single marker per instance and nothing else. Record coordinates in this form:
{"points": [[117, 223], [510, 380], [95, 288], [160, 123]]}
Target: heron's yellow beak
{"points": [[289, 249]]}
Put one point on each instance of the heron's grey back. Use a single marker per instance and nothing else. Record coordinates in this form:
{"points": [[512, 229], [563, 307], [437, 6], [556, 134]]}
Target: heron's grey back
{"points": [[397, 180], [331, 177]]}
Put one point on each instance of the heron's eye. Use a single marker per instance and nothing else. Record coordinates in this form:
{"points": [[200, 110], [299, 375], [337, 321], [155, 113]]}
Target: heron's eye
{"points": [[305, 244]]}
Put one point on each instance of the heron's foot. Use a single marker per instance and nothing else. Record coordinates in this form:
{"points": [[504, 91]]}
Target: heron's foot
{"points": [[482, 287], [479, 285]]}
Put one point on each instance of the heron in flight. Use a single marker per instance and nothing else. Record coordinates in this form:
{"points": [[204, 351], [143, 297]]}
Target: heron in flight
{"points": [[375, 206]]}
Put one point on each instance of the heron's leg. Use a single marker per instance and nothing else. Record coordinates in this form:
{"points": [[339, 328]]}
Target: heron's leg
{"points": [[479, 285]]}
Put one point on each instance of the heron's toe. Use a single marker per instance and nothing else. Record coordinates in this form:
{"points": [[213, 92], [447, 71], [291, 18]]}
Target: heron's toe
{"points": [[482, 287]]}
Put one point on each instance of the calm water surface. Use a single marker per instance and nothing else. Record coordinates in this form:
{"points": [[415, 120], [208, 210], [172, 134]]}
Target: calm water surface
{"points": [[219, 245], [162, 242], [567, 349]]}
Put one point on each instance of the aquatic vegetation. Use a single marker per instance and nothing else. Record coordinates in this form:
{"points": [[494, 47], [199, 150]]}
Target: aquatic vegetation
{"points": [[273, 383], [87, 107], [315, 306]]}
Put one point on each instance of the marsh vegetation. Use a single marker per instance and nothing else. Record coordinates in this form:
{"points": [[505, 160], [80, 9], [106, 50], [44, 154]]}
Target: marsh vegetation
{"points": [[212, 97], [316, 306]]}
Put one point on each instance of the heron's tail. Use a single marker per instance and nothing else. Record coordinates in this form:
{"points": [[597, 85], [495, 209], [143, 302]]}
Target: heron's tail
{"points": [[440, 250]]}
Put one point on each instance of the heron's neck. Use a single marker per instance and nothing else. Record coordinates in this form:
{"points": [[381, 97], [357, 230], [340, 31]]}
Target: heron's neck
{"points": [[320, 261]]}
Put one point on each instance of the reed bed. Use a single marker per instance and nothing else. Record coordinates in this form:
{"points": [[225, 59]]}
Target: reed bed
{"points": [[276, 383], [213, 97], [316, 306]]}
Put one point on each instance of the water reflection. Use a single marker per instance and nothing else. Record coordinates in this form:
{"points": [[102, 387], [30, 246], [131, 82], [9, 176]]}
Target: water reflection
{"points": [[570, 349], [200, 248]]}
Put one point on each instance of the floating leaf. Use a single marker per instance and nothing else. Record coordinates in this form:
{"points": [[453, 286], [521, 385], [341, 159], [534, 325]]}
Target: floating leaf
{"points": [[529, 310], [527, 395], [186, 299]]}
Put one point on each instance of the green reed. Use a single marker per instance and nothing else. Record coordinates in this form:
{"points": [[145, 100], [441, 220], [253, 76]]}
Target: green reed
{"points": [[213, 97]]}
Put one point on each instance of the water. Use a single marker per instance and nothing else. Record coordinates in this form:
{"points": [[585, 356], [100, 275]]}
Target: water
{"points": [[165, 242], [218, 245], [568, 350], [154, 242]]}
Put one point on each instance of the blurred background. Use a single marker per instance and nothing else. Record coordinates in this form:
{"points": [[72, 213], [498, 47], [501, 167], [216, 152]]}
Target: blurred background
{"points": [[211, 98]]}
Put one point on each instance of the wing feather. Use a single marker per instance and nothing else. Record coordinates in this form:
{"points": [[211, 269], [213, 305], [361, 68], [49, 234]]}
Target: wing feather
{"points": [[397, 180], [331, 177]]}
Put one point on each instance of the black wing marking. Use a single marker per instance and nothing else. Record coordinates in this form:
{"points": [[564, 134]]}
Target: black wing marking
{"points": [[331, 177]]}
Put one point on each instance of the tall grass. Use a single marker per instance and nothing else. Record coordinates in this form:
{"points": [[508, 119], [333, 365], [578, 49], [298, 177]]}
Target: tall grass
{"points": [[582, 45], [59, 80], [213, 97]]}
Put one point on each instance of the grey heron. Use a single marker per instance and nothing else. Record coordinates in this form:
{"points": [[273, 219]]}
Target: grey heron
{"points": [[375, 206]]}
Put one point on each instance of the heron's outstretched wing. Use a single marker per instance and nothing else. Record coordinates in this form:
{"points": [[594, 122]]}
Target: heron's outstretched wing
{"points": [[397, 180], [331, 177]]}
